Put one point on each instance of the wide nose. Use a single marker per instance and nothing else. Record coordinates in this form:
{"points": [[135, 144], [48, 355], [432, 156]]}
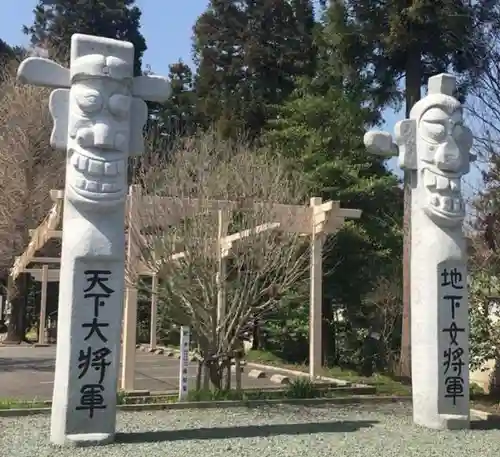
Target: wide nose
{"points": [[103, 136], [448, 157]]}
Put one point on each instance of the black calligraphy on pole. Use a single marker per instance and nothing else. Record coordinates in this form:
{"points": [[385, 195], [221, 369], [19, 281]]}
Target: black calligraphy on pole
{"points": [[452, 278], [452, 283], [91, 398], [97, 278], [96, 357]]}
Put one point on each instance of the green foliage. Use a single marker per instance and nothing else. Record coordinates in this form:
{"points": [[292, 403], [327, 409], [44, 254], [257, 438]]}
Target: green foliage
{"points": [[391, 39], [320, 127], [286, 331], [215, 395], [56, 20], [484, 319], [248, 54], [176, 117], [301, 388]]}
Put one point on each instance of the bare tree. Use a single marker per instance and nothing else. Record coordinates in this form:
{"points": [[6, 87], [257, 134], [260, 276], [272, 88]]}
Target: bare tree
{"points": [[233, 257], [385, 316], [29, 168]]}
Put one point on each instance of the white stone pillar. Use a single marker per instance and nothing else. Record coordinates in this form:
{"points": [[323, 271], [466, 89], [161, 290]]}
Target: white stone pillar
{"points": [[434, 144], [99, 111]]}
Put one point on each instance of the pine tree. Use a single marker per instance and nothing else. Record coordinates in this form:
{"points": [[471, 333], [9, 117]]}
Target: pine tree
{"points": [[56, 20], [248, 54]]}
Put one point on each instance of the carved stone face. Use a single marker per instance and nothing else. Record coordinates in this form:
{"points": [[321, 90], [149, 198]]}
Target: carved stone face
{"points": [[443, 146], [98, 143]]}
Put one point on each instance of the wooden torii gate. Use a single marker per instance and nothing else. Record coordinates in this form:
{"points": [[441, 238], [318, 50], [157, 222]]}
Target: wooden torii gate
{"points": [[316, 220], [39, 236]]}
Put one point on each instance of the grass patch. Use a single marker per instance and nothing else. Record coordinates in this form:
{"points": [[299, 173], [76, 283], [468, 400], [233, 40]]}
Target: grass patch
{"points": [[12, 403], [385, 384], [299, 388]]}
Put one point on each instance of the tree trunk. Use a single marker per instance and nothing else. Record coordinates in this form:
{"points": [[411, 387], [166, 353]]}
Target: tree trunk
{"points": [[255, 335], [199, 374], [16, 295], [413, 86], [215, 372]]}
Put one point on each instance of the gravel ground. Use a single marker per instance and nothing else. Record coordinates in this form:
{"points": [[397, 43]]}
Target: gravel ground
{"points": [[282, 431]]}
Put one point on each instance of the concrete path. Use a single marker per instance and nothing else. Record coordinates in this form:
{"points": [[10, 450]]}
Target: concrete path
{"points": [[28, 372]]}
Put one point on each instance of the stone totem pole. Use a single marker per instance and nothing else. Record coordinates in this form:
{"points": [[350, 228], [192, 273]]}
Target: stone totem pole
{"points": [[99, 111], [435, 146]]}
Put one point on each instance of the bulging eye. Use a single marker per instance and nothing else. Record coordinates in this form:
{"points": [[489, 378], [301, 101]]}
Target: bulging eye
{"points": [[88, 100], [433, 131], [119, 105]]}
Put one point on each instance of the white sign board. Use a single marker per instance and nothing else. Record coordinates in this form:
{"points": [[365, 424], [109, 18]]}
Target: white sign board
{"points": [[184, 363]]}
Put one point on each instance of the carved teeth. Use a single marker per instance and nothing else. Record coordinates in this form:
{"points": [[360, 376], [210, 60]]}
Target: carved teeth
{"points": [[442, 183], [80, 183], [457, 204], [92, 186], [82, 163], [447, 204], [98, 169], [429, 179], [95, 167], [120, 166], [110, 169]]}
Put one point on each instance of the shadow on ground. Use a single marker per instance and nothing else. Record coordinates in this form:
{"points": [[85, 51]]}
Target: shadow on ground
{"points": [[489, 424], [35, 364], [248, 431]]}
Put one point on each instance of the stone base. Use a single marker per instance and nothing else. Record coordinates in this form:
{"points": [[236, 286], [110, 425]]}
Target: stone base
{"points": [[445, 422], [84, 439]]}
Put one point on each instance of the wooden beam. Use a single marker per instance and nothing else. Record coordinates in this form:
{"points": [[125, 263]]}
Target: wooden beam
{"points": [[248, 232], [350, 213], [166, 211], [39, 238], [50, 233], [56, 195], [36, 273], [44, 260]]}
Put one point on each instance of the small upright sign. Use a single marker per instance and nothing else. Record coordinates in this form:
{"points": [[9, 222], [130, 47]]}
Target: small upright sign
{"points": [[184, 363]]}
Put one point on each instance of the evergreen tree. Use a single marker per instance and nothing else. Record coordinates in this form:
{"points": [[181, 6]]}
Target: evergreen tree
{"points": [[248, 54], [6, 54], [321, 128], [176, 117], [56, 20]]}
